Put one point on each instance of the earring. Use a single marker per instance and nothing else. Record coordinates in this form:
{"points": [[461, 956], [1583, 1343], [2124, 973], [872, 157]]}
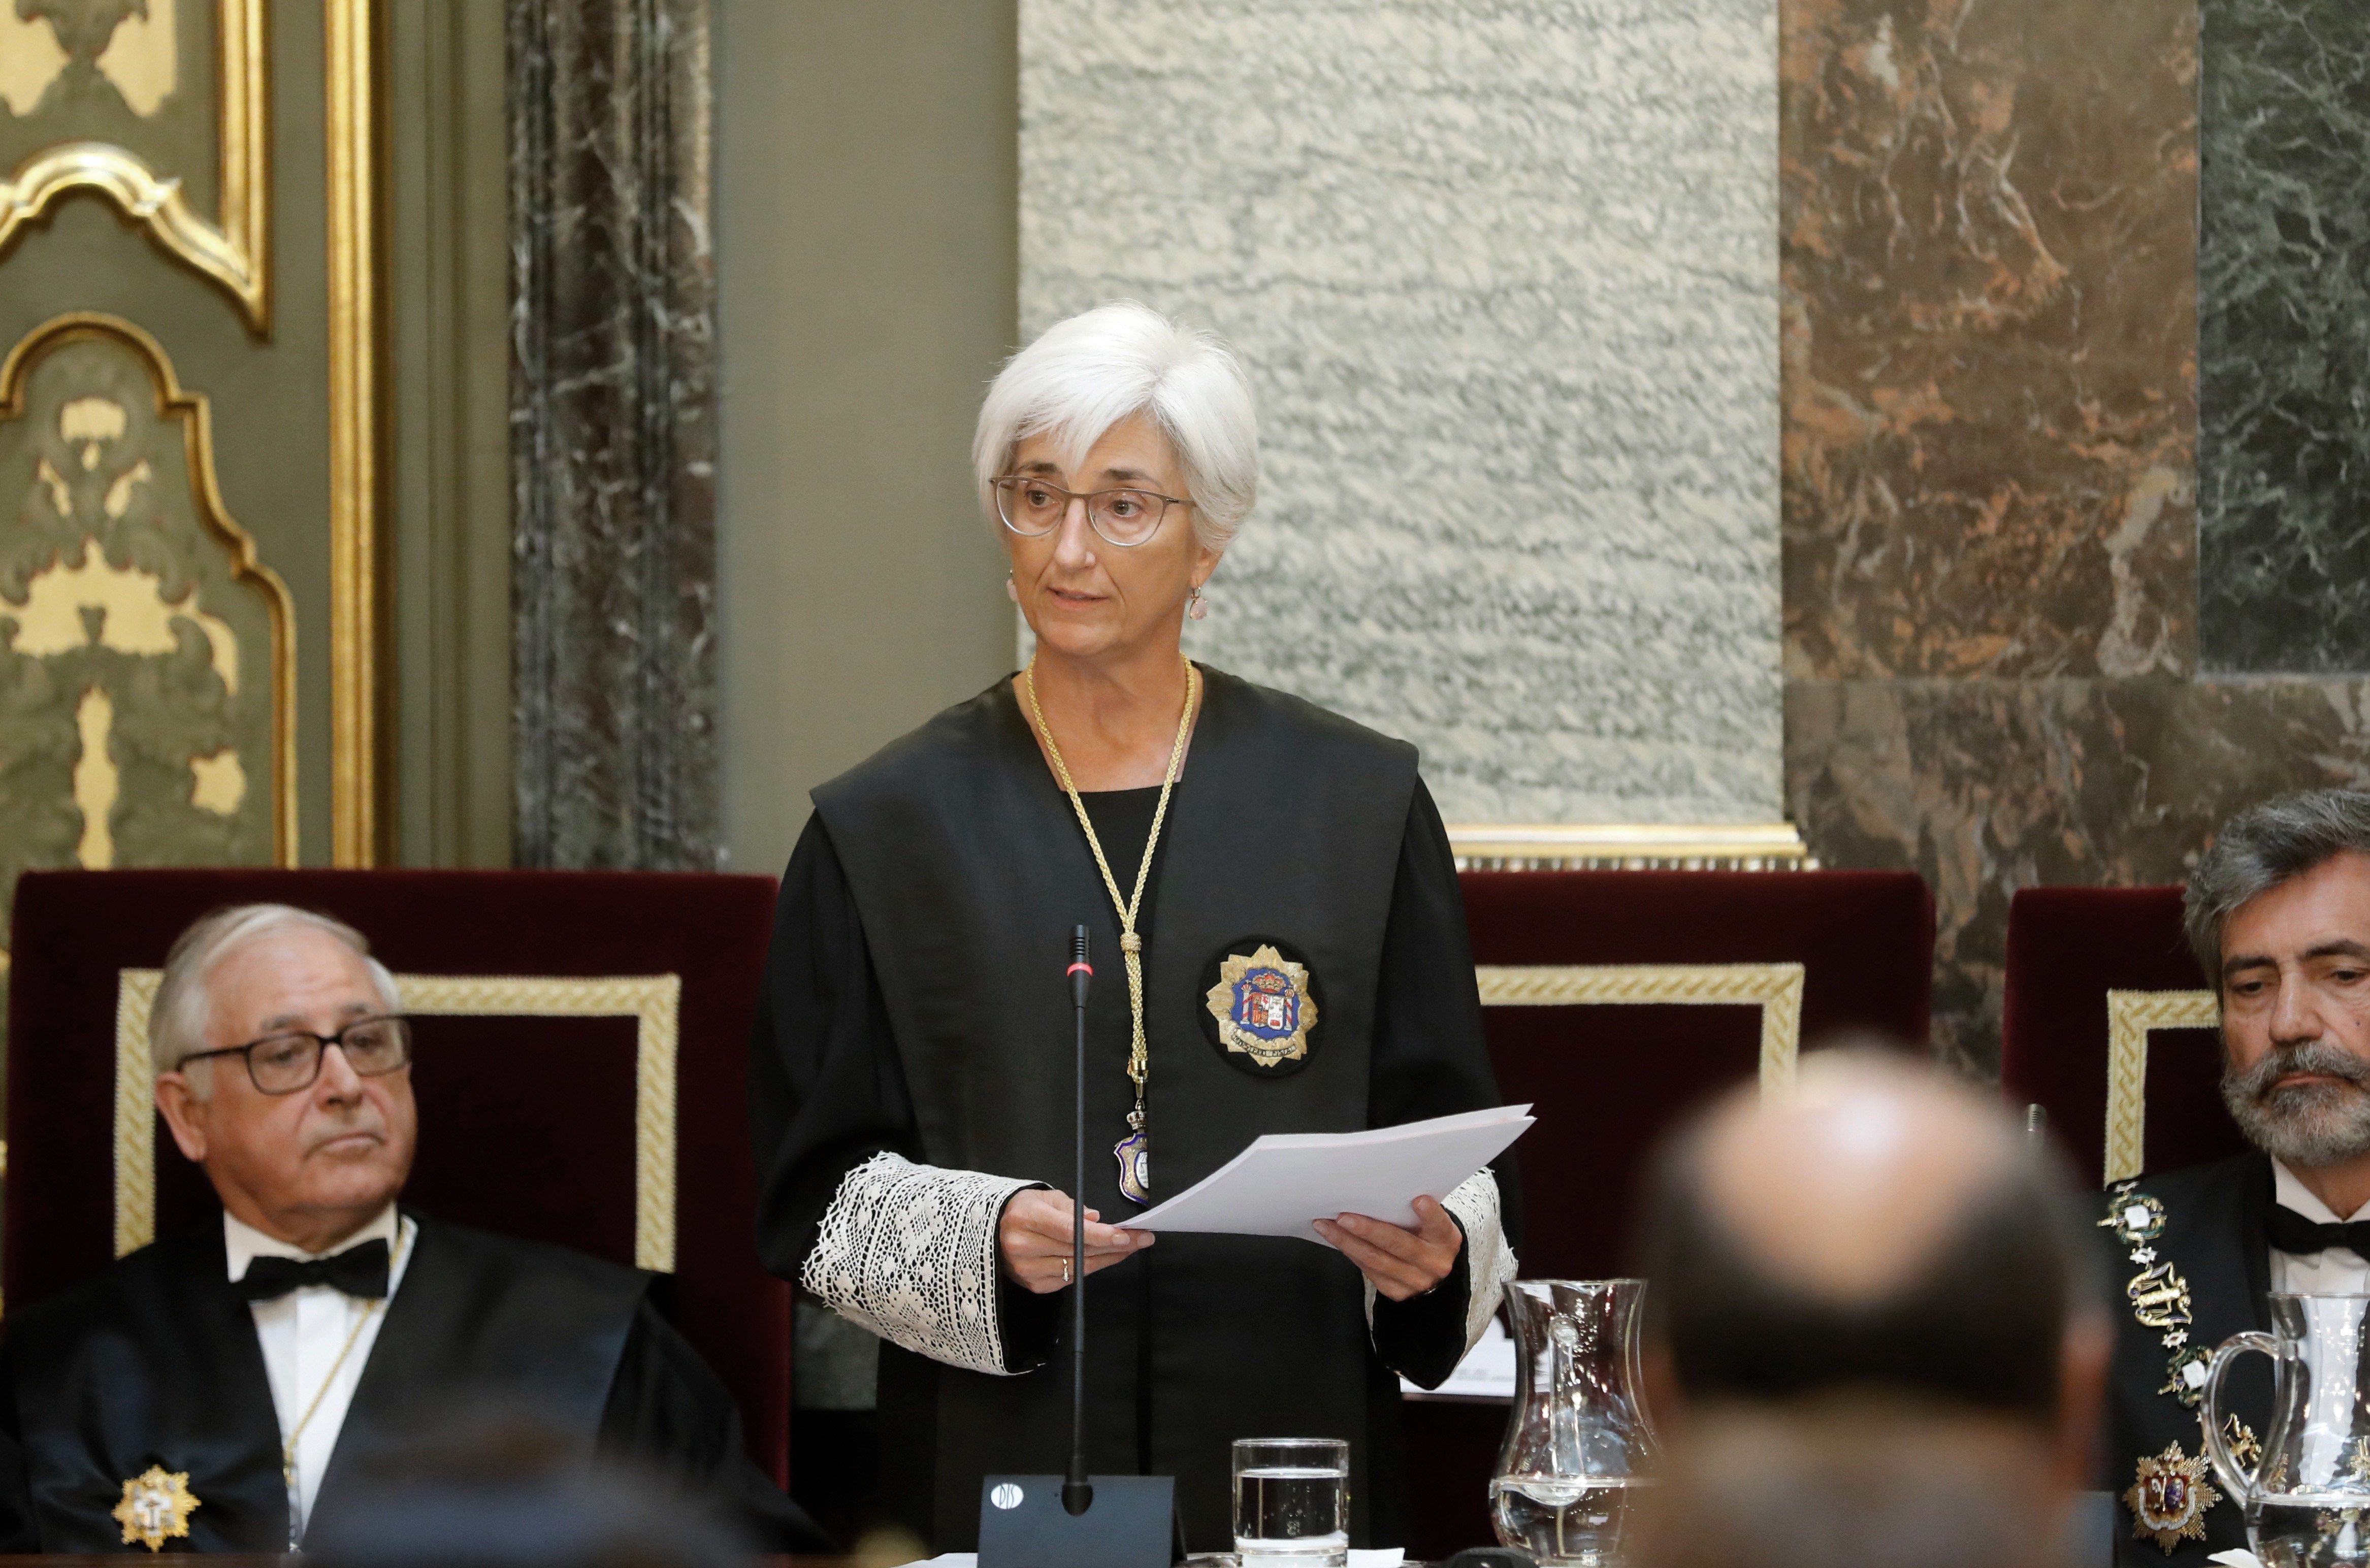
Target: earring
{"points": [[1197, 606], [1011, 589]]}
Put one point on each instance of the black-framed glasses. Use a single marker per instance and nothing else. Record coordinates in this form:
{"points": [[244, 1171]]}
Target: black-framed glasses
{"points": [[287, 1062], [1033, 508]]}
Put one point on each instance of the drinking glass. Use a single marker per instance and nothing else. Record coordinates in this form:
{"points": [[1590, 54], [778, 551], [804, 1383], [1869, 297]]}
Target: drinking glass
{"points": [[1292, 1502]]}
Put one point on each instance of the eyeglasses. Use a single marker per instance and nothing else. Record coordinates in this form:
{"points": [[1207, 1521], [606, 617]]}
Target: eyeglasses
{"points": [[283, 1064], [1033, 508]]}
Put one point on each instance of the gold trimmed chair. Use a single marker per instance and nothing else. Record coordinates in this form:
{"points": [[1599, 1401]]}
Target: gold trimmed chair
{"points": [[2109, 1029]]}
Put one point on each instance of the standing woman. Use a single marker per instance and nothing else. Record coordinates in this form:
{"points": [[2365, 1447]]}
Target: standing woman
{"points": [[1280, 947]]}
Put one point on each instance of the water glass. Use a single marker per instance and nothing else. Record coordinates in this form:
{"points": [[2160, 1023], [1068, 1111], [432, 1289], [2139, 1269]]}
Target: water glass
{"points": [[1292, 1502]]}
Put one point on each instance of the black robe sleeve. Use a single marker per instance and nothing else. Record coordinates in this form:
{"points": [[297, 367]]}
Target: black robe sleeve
{"points": [[1430, 1059], [666, 1410], [20, 1532], [826, 1088]]}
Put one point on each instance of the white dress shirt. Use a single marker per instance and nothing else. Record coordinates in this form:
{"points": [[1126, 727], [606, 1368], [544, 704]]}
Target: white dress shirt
{"points": [[301, 1335], [2340, 1271]]}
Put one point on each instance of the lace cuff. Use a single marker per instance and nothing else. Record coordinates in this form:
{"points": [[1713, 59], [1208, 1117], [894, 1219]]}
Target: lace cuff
{"points": [[1488, 1261], [909, 1251]]}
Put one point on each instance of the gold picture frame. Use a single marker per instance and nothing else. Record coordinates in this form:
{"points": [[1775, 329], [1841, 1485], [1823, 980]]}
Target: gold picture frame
{"points": [[1775, 988], [360, 700], [1630, 847], [194, 414], [653, 1001], [234, 253], [2132, 1016]]}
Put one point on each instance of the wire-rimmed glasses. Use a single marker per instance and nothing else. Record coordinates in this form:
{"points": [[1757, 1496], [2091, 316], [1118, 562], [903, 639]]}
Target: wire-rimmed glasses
{"points": [[291, 1060], [1033, 507]]}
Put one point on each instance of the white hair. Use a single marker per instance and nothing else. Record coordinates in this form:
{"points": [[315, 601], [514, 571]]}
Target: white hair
{"points": [[1085, 374], [183, 1010]]}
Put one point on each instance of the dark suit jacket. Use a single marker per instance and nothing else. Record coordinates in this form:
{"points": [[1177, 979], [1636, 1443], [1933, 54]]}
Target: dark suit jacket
{"points": [[154, 1362], [2213, 1238]]}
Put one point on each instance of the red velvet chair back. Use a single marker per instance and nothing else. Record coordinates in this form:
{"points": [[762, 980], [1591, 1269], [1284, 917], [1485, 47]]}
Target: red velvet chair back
{"points": [[533, 1124], [1609, 1078], [2067, 949]]}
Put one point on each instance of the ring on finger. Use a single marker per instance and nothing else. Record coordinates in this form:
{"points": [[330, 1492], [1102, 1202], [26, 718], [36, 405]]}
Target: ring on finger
{"points": [[1065, 1271]]}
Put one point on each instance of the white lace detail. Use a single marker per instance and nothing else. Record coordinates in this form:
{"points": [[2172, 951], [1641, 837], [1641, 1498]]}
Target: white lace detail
{"points": [[1488, 1261], [909, 1251]]}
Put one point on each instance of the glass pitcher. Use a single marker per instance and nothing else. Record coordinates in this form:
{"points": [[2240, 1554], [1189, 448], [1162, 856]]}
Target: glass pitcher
{"points": [[1580, 1442], [2307, 1498]]}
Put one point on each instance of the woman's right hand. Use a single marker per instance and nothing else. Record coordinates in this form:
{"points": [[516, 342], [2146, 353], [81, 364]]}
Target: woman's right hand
{"points": [[1034, 1239]]}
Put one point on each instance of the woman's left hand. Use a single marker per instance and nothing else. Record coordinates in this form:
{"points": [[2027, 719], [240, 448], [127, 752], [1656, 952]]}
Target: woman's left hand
{"points": [[1399, 1262]]}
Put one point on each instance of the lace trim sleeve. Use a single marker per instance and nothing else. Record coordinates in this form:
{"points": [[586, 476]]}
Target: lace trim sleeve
{"points": [[1489, 1262], [909, 1252]]}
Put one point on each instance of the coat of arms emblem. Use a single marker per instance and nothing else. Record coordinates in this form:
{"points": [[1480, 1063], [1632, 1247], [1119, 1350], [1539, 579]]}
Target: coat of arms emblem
{"points": [[1263, 1007], [2169, 1497]]}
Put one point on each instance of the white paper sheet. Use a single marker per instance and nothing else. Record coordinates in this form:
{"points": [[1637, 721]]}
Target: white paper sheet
{"points": [[1286, 1182], [1486, 1373]]}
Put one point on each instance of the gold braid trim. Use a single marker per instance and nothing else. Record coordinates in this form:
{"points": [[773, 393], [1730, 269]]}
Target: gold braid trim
{"points": [[1775, 988], [2131, 1016]]}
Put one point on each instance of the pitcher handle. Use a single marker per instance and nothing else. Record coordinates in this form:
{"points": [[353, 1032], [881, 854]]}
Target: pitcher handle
{"points": [[2240, 1483]]}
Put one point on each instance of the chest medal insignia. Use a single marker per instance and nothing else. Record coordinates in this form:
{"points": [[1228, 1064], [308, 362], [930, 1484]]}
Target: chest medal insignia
{"points": [[155, 1508], [1263, 1004], [2169, 1497]]}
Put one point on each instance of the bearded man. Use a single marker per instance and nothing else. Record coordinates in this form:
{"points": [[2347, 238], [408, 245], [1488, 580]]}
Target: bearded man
{"points": [[2278, 914]]}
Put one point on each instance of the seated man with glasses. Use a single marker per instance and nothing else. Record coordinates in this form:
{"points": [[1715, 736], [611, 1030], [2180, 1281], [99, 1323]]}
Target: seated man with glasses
{"points": [[229, 1385]]}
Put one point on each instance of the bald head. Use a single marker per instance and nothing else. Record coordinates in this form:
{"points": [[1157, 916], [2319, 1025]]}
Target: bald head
{"points": [[1846, 1189], [1880, 1227]]}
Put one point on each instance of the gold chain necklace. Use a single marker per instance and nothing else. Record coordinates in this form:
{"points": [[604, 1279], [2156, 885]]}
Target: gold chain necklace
{"points": [[1133, 1151], [288, 1448]]}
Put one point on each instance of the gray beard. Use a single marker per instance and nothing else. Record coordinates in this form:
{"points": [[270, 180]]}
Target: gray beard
{"points": [[2305, 1125]]}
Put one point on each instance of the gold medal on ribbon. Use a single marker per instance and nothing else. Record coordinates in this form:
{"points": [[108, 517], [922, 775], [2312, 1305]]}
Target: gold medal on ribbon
{"points": [[155, 1508], [2169, 1497]]}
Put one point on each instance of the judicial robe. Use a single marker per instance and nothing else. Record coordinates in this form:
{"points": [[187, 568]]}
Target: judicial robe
{"points": [[154, 1362], [915, 1002], [2196, 1266]]}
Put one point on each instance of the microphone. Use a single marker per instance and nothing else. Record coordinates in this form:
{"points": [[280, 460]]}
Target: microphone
{"points": [[1078, 1493], [1072, 1521]]}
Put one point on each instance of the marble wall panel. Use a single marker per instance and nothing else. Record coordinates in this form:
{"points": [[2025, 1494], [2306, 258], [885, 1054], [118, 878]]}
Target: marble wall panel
{"points": [[1989, 274], [1986, 786], [613, 435], [1989, 220], [2284, 338], [1503, 273]]}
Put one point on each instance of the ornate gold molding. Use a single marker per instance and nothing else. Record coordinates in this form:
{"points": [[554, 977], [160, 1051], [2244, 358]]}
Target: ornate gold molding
{"points": [[358, 824], [1775, 988], [1633, 847], [2131, 1016], [652, 1001], [235, 253], [191, 411]]}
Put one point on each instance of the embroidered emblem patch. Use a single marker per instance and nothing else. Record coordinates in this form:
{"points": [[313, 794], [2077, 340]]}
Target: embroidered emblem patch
{"points": [[2169, 1497], [155, 1508], [1262, 1002]]}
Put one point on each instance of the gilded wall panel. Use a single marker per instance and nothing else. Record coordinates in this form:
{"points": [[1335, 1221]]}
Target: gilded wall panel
{"points": [[159, 106], [146, 675]]}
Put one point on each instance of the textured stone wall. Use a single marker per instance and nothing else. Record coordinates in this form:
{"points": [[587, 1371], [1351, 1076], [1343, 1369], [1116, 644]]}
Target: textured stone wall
{"points": [[2284, 338], [1993, 572], [612, 434], [1504, 273]]}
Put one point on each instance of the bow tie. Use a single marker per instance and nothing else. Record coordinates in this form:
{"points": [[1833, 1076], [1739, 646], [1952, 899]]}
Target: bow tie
{"points": [[2291, 1232], [357, 1271]]}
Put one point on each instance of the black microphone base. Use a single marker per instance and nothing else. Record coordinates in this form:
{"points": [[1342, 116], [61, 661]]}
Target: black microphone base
{"points": [[1131, 1523]]}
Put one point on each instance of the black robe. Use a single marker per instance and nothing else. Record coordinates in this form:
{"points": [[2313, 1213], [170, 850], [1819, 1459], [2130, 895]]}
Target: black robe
{"points": [[2213, 1238], [154, 1362], [914, 1003]]}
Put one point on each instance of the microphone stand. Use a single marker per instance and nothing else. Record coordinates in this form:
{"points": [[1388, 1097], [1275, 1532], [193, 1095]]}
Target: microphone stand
{"points": [[1078, 1493]]}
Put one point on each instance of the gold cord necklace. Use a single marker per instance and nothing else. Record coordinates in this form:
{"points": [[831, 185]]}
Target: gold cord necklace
{"points": [[288, 1448], [1133, 1151]]}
